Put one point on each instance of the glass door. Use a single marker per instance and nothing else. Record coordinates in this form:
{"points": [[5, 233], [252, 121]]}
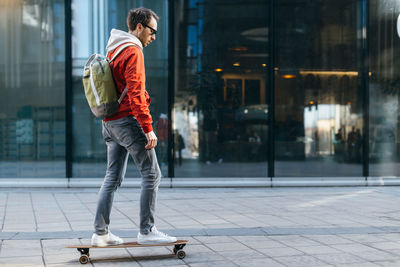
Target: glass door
{"points": [[318, 103], [384, 108], [220, 112]]}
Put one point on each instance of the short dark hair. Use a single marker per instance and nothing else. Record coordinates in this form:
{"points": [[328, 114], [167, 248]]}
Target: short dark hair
{"points": [[139, 15]]}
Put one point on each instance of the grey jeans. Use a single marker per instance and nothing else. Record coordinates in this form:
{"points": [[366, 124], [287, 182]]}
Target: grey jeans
{"points": [[125, 137]]}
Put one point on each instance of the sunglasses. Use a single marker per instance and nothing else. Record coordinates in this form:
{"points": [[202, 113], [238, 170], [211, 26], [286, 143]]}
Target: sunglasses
{"points": [[153, 31]]}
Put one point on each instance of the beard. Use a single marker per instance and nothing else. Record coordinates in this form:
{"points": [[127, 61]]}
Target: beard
{"points": [[142, 39]]}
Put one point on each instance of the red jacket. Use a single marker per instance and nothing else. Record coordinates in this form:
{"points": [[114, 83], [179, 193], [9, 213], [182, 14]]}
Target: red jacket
{"points": [[128, 71]]}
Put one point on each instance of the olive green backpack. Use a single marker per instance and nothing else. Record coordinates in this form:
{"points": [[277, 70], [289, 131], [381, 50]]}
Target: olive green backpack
{"points": [[100, 91]]}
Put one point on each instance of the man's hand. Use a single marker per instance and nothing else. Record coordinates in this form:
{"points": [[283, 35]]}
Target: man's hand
{"points": [[151, 140]]}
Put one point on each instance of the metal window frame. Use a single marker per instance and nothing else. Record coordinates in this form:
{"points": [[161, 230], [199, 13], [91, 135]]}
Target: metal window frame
{"points": [[271, 86], [171, 85], [68, 88], [364, 79]]}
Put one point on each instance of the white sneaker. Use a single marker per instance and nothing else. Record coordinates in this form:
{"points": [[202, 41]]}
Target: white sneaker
{"points": [[155, 237], [106, 240]]}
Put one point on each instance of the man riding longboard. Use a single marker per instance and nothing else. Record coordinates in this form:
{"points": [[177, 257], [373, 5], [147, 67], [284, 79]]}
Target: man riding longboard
{"points": [[130, 132]]}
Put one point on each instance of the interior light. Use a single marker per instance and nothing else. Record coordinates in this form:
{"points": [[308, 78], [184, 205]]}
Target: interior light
{"points": [[311, 102], [329, 72], [239, 49], [288, 76], [236, 64], [218, 70], [264, 65]]}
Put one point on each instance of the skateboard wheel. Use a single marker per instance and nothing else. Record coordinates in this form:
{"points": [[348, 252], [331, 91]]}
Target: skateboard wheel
{"points": [[84, 259], [181, 254]]}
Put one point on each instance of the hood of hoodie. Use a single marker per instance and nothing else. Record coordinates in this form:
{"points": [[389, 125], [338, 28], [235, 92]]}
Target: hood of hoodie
{"points": [[118, 37]]}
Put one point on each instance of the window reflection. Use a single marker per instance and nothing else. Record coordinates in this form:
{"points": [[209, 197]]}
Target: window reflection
{"points": [[384, 127], [32, 102], [220, 108], [318, 104]]}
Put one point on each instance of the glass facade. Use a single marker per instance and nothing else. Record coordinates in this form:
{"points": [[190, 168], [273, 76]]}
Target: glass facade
{"points": [[318, 104], [243, 88], [32, 89]]}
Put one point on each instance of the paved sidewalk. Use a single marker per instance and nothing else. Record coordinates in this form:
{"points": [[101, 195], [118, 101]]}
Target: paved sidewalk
{"points": [[342, 226]]}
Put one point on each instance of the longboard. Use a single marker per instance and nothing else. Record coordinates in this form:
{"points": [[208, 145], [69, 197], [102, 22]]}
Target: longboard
{"points": [[84, 249]]}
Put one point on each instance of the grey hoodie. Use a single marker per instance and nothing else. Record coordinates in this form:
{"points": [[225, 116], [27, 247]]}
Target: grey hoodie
{"points": [[118, 37]]}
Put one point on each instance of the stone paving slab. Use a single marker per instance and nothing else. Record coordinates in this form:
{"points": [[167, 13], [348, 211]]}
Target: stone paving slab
{"points": [[357, 226]]}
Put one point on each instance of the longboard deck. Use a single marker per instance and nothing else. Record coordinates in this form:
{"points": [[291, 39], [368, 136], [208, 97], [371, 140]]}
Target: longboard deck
{"points": [[132, 244], [84, 249]]}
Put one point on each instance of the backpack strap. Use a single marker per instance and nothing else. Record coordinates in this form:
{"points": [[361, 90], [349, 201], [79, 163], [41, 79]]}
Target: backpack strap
{"points": [[113, 57], [122, 95], [120, 50], [93, 57]]}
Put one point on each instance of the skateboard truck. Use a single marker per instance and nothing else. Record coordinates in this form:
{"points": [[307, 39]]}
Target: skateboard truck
{"points": [[178, 251], [84, 255]]}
